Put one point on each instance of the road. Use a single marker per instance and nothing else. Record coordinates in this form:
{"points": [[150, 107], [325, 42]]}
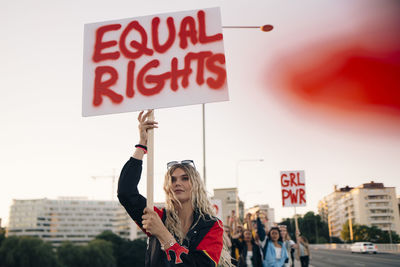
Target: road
{"points": [[327, 257]]}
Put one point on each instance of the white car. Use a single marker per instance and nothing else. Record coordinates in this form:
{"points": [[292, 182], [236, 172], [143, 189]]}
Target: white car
{"points": [[364, 247]]}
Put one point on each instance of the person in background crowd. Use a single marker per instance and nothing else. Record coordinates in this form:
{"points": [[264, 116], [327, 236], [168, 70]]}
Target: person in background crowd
{"points": [[249, 251], [248, 223], [289, 244], [227, 230], [229, 243], [292, 257], [186, 232], [273, 248], [303, 251], [262, 221], [233, 221], [237, 234]]}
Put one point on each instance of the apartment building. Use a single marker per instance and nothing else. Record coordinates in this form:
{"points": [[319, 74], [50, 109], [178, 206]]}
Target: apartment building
{"points": [[370, 204], [77, 220]]}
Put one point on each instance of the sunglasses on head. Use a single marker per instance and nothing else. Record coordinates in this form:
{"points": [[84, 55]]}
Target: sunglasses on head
{"points": [[183, 162]]}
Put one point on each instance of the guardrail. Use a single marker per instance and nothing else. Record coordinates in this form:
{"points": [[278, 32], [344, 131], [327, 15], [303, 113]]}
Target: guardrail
{"points": [[392, 248]]}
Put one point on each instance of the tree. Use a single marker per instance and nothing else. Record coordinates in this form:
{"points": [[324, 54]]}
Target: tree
{"points": [[117, 243], [368, 233], [26, 251], [107, 250], [134, 252], [98, 253], [311, 226], [336, 239], [2, 235], [70, 255], [127, 253]]}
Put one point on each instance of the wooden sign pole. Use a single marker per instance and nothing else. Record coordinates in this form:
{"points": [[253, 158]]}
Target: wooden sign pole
{"points": [[150, 165], [296, 222]]}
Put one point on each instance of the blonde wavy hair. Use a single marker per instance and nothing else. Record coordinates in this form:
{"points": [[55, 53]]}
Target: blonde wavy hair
{"points": [[200, 202]]}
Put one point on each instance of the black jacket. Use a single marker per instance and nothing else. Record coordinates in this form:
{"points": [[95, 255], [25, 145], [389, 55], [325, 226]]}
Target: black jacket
{"points": [[203, 243], [256, 259]]}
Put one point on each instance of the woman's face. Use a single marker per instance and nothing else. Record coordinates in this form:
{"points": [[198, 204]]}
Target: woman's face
{"points": [[181, 185], [227, 229], [274, 235], [247, 235]]}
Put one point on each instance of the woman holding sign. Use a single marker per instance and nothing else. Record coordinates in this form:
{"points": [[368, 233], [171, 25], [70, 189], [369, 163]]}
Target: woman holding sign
{"points": [[185, 232]]}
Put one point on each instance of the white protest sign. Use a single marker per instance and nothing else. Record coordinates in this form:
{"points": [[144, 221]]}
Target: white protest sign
{"points": [[217, 206], [150, 62], [293, 189]]}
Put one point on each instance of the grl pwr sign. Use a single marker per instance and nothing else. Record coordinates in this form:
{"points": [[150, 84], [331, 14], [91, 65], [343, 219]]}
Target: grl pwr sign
{"points": [[293, 184], [157, 61]]}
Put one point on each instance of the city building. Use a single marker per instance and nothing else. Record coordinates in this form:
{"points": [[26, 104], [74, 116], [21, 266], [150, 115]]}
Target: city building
{"points": [[370, 204], [229, 199], [331, 212], [398, 202], [77, 220], [267, 210]]}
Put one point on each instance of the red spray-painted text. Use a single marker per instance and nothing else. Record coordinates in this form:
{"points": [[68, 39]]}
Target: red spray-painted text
{"points": [[191, 31]]}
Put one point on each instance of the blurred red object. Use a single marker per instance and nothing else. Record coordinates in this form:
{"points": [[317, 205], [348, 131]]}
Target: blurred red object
{"points": [[349, 78], [352, 76]]}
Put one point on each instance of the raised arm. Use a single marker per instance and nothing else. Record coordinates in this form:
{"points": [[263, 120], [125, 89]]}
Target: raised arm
{"points": [[128, 193]]}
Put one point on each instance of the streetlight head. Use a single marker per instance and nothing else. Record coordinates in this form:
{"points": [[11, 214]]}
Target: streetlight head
{"points": [[266, 28]]}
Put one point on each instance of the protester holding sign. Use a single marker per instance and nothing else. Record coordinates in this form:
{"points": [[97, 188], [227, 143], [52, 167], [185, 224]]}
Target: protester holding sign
{"points": [[186, 232]]}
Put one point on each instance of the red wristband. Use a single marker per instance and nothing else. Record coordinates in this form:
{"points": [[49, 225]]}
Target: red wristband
{"points": [[144, 148]]}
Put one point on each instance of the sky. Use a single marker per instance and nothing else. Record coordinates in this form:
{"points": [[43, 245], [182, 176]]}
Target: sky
{"points": [[317, 93]]}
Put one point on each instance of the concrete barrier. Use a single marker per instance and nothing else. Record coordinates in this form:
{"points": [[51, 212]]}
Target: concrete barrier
{"points": [[391, 248]]}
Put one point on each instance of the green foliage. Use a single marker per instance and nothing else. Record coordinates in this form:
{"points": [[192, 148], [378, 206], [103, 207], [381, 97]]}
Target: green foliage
{"points": [[26, 252], [70, 255], [336, 239], [311, 226], [107, 250], [99, 253], [2, 235], [368, 233], [133, 253], [127, 253]]}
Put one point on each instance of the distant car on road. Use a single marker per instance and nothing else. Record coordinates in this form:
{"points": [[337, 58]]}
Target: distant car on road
{"points": [[364, 247]]}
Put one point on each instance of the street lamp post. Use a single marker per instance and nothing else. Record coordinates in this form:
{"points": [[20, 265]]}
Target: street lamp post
{"points": [[237, 180]]}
